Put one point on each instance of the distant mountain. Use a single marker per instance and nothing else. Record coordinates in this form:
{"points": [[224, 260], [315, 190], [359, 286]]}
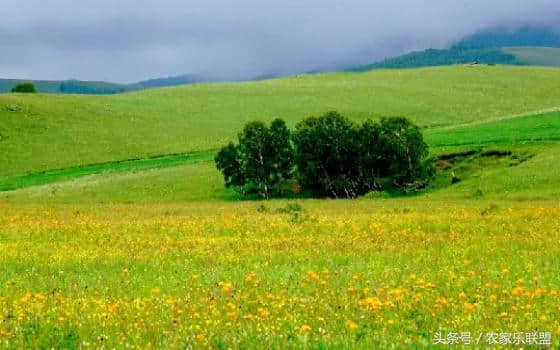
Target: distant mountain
{"points": [[98, 87], [503, 37], [169, 81], [522, 46], [433, 57]]}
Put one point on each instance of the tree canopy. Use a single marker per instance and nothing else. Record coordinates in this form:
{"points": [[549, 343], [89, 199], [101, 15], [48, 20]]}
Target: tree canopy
{"points": [[329, 155], [261, 160]]}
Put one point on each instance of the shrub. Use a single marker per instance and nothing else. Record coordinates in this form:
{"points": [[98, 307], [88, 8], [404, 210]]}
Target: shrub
{"points": [[24, 88]]}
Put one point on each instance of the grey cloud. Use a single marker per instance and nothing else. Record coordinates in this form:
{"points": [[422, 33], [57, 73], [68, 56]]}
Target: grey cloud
{"points": [[131, 40]]}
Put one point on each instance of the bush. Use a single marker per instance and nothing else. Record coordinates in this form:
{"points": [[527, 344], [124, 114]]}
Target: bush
{"points": [[25, 88], [261, 161]]}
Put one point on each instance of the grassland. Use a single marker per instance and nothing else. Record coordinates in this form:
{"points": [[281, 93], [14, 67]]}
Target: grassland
{"points": [[156, 253], [539, 56], [45, 132], [194, 178], [337, 274]]}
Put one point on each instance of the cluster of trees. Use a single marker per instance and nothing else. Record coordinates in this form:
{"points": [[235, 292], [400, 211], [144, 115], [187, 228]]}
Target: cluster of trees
{"points": [[328, 156], [24, 88]]}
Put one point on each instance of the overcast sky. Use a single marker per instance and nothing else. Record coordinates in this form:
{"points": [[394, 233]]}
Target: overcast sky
{"points": [[131, 40]]}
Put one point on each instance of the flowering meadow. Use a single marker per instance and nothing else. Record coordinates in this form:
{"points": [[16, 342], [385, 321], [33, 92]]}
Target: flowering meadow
{"points": [[312, 274]]}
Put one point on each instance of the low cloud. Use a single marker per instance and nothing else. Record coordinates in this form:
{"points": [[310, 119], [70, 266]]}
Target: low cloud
{"points": [[128, 40]]}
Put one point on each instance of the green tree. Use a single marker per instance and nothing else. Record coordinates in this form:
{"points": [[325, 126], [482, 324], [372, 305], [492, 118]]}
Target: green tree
{"points": [[281, 152], [261, 161], [228, 161], [372, 163], [403, 150], [24, 88], [326, 156]]}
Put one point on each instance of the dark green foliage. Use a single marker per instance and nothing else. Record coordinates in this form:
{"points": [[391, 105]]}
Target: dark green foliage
{"points": [[326, 157], [401, 145], [228, 161], [261, 161], [372, 163], [25, 88], [334, 157], [282, 150]]}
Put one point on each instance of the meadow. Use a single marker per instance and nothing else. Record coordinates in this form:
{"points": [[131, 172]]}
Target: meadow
{"points": [[541, 56], [45, 132], [253, 275], [104, 247]]}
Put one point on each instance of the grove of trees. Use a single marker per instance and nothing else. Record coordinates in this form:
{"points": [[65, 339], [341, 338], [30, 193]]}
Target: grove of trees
{"points": [[328, 156]]}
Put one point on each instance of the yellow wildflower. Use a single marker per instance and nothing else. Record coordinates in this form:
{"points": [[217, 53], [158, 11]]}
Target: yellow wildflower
{"points": [[313, 276], [469, 306]]}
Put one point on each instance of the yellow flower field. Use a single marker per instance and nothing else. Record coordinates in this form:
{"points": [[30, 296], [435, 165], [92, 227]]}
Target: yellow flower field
{"points": [[333, 274]]}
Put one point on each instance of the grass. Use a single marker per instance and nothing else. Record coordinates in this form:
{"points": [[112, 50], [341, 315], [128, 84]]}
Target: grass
{"points": [[156, 253], [45, 132], [541, 56], [335, 274], [533, 128], [59, 175], [185, 181]]}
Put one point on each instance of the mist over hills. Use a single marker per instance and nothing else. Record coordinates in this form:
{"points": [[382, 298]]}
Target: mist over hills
{"points": [[497, 45], [504, 37], [490, 46]]}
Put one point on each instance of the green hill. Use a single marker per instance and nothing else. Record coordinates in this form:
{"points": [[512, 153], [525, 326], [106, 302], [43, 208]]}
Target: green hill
{"points": [[433, 57], [67, 86], [44, 132], [536, 56], [526, 56], [526, 36], [514, 157], [98, 87], [522, 46]]}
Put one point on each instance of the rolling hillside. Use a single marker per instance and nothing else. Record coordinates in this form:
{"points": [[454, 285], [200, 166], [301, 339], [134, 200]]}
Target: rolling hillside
{"points": [[522, 46], [536, 56], [524, 147], [44, 132], [98, 87]]}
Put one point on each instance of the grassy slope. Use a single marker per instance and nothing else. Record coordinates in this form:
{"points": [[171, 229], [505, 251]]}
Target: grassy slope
{"points": [[70, 173], [536, 135], [50, 132], [539, 56]]}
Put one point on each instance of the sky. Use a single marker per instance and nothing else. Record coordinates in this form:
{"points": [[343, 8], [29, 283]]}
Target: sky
{"points": [[132, 40]]}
